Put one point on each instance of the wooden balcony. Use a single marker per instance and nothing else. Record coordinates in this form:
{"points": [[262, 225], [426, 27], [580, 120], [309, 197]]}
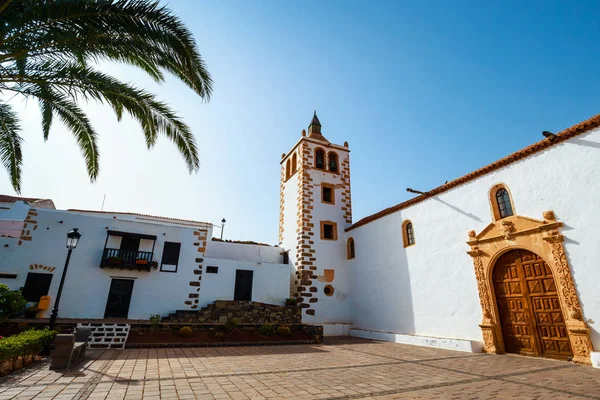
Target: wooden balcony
{"points": [[127, 259]]}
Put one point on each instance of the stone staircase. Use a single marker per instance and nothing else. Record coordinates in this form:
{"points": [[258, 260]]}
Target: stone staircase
{"points": [[246, 312]]}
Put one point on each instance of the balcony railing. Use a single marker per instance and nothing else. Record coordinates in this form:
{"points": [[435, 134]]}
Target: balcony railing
{"points": [[126, 259]]}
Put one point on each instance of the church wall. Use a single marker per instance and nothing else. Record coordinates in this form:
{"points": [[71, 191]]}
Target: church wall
{"points": [[430, 288]]}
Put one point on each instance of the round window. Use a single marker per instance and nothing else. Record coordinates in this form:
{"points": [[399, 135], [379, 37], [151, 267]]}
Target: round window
{"points": [[328, 290]]}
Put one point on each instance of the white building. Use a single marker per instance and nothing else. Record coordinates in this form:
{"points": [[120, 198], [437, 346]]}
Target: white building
{"points": [[111, 274], [502, 259]]}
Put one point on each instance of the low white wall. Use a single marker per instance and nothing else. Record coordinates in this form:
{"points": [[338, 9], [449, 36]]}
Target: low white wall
{"points": [[469, 346], [270, 281], [336, 329], [244, 252]]}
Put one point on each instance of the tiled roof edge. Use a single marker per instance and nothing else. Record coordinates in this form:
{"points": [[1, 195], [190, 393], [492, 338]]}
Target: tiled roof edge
{"points": [[565, 135]]}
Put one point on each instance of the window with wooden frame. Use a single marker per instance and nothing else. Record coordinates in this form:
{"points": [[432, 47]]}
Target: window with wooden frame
{"points": [[408, 233], [294, 164], [501, 202], [170, 257], [319, 158], [350, 252], [332, 161], [287, 170], [327, 193], [328, 230]]}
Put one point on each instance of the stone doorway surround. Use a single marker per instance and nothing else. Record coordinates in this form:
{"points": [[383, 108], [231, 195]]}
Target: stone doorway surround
{"points": [[542, 238]]}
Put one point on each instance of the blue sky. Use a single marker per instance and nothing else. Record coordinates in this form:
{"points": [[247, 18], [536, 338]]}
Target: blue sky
{"points": [[424, 92]]}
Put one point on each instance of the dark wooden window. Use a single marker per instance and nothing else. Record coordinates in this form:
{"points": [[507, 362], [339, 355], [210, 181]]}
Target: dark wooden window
{"points": [[410, 234], [351, 253], [328, 231], [327, 195], [36, 286], [287, 170], [170, 257], [294, 163], [130, 243], [286, 257], [320, 159], [333, 162], [212, 270], [503, 201]]}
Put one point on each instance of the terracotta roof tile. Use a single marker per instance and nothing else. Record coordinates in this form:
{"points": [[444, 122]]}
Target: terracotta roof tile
{"points": [[140, 215], [567, 134]]}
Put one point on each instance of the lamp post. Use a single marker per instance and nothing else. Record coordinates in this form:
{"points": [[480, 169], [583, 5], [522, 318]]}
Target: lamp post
{"points": [[72, 240], [222, 227]]}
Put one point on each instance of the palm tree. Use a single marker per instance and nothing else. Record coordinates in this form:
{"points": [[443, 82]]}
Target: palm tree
{"points": [[47, 52]]}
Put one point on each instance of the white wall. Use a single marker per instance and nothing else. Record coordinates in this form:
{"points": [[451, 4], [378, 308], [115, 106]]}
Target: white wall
{"points": [[270, 281], [430, 288], [244, 252], [87, 285], [14, 210]]}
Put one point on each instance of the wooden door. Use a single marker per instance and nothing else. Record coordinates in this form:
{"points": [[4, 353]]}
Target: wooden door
{"points": [[530, 315], [119, 297], [243, 285], [551, 327]]}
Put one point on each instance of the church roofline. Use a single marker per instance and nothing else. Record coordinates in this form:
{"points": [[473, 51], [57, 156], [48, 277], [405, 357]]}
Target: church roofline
{"points": [[560, 137], [315, 141]]}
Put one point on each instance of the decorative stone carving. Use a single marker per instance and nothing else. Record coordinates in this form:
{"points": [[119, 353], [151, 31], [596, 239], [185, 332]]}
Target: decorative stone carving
{"points": [[549, 215], [507, 229], [544, 239]]}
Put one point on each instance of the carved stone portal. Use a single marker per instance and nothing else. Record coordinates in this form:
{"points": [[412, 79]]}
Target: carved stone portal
{"points": [[543, 239]]}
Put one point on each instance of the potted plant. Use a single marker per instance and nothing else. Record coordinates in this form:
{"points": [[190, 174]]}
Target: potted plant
{"points": [[141, 261], [154, 264], [115, 260]]}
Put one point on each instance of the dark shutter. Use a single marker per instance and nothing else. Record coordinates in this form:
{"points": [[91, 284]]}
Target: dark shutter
{"points": [[36, 286]]}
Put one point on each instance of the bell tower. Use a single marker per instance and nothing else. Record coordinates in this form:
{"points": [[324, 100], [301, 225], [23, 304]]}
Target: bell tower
{"points": [[315, 209]]}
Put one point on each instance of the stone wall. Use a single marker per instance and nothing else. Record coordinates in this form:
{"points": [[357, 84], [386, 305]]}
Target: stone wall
{"points": [[246, 312]]}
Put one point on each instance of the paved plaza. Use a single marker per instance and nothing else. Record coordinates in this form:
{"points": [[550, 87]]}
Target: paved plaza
{"points": [[344, 368]]}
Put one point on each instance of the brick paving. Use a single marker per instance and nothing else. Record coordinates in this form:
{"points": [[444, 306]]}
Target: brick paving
{"points": [[343, 368]]}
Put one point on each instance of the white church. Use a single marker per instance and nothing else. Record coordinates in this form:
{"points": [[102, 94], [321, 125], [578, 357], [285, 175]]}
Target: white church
{"points": [[501, 260]]}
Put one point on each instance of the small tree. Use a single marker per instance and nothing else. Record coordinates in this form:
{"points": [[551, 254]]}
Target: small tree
{"points": [[11, 302]]}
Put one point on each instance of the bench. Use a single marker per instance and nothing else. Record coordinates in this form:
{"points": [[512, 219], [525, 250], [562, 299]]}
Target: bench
{"points": [[70, 348]]}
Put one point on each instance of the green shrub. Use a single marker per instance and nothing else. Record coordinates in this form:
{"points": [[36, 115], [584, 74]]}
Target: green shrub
{"points": [[231, 324], [218, 335], [11, 302], [155, 321], [284, 330], [25, 344], [185, 331], [266, 330], [291, 302]]}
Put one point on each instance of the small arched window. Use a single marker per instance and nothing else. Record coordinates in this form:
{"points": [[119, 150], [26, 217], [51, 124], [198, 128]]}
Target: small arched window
{"points": [[333, 162], [501, 202], [287, 170], [320, 159], [408, 233], [294, 164], [350, 249]]}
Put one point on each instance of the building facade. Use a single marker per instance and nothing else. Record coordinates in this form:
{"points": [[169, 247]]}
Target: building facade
{"points": [[132, 266]]}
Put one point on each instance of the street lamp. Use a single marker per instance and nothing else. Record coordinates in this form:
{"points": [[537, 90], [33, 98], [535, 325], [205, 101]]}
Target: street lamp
{"points": [[222, 227], [72, 240]]}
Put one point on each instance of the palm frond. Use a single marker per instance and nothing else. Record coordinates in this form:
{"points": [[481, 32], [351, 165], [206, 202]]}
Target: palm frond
{"points": [[48, 46], [10, 145]]}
